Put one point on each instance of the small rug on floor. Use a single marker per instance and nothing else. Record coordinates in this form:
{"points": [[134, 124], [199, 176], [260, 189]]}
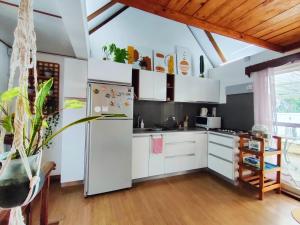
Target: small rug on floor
{"points": [[296, 214]]}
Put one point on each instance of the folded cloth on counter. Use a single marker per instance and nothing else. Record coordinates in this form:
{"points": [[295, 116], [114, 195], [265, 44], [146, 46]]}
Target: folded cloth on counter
{"points": [[157, 145]]}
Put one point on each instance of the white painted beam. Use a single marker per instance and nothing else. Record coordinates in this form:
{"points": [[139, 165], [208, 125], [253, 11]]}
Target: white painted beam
{"points": [[74, 17]]}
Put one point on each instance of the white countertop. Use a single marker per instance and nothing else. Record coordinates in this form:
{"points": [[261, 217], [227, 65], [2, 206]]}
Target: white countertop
{"points": [[149, 133]]}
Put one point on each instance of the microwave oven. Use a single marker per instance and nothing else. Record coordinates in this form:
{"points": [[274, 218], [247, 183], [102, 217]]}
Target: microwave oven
{"points": [[208, 122]]}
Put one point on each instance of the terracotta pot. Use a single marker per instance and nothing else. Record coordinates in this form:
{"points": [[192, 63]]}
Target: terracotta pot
{"points": [[14, 183]]}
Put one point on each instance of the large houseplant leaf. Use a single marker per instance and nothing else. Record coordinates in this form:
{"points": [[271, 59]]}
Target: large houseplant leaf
{"points": [[37, 121]]}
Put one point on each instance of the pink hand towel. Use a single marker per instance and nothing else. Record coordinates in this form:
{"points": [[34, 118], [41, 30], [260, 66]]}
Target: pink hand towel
{"points": [[157, 145]]}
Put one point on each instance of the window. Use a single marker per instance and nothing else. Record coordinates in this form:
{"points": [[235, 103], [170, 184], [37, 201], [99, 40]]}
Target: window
{"points": [[287, 120]]}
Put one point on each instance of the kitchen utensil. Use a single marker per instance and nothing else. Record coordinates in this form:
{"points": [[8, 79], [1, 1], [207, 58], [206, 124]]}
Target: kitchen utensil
{"points": [[204, 112]]}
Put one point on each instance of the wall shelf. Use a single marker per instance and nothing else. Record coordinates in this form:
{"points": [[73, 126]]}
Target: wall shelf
{"points": [[45, 71], [170, 87]]}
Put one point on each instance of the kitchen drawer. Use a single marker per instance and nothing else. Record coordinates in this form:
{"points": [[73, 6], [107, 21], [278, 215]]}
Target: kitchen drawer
{"points": [[221, 151], [179, 137], [220, 166], [180, 148], [220, 139], [180, 163]]}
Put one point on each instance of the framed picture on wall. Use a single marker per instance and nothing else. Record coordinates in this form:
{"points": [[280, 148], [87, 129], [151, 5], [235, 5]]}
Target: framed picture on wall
{"points": [[164, 63], [159, 61], [140, 57], [184, 61]]}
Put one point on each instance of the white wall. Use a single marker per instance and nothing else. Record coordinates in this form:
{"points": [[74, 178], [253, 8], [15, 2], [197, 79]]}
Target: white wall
{"points": [[4, 67], [138, 28], [234, 73], [54, 152]]}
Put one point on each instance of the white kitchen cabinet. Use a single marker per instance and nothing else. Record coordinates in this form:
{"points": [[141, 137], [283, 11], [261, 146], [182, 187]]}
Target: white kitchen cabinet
{"points": [[156, 161], [180, 152], [180, 163], [140, 157], [201, 150], [222, 150], [73, 146], [152, 85], [221, 166], [195, 89], [183, 90], [109, 71], [211, 90], [75, 78]]}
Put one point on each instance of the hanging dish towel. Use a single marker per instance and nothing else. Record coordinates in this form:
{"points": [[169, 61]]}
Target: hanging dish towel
{"points": [[157, 145]]}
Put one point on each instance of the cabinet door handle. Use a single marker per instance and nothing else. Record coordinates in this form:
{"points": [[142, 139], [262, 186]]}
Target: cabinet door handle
{"points": [[226, 160], [225, 146], [177, 156], [180, 142]]}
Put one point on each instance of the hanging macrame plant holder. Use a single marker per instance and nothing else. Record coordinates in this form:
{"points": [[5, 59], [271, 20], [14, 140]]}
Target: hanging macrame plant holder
{"points": [[20, 179], [15, 184]]}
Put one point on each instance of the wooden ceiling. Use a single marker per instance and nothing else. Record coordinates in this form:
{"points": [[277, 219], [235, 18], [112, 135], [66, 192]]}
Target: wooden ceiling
{"points": [[271, 24]]}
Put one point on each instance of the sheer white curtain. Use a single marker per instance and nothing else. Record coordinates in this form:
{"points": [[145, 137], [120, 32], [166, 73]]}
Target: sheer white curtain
{"points": [[264, 98], [276, 100]]}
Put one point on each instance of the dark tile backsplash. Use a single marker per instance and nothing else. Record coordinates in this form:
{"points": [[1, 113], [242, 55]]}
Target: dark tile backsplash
{"points": [[155, 113], [237, 113]]}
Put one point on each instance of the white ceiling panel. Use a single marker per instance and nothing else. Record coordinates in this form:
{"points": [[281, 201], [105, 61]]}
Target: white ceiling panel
{"points": [[105, 15], [234, 49], [93, 5], [48, 6], [51, 34]]}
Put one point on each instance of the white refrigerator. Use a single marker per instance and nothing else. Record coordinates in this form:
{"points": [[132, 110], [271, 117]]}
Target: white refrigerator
{"points": [[109, 140]]}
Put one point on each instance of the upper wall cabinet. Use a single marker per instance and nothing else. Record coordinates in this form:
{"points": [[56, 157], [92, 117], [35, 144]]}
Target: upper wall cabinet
{"points": [[75, 78], [195, 89], [109, 71], [212, 90], [151, 85]]}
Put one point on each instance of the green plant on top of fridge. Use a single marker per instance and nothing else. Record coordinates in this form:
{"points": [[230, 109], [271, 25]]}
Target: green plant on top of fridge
{"points": [[111, 51]]}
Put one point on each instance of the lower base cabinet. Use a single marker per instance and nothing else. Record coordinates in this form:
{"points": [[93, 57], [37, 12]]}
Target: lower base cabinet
{"points": [[220, 166], [221, 154], [156, 161], [140, 157], [181, 152], [201, 146], [180, 163]]}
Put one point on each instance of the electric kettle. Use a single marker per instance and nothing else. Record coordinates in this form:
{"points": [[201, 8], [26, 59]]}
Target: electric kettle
{"points": [[203, 112]]}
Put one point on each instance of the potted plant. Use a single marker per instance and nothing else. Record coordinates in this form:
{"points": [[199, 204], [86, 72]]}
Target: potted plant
{"points": [[119, 55], [14, 183]]}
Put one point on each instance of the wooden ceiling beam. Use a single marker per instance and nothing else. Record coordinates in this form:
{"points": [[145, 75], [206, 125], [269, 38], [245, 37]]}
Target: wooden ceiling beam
{"points": [[192, 21], [108, 19], [35, 10], [216, 46], [272, 63], [101, 10], [292, 46]]}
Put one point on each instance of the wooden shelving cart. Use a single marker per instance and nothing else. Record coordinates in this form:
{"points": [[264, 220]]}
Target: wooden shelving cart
{"points": [[259, 177]]}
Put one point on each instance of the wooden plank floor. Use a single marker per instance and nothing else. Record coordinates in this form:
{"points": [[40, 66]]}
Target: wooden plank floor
{"points": [[193, 199]]}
